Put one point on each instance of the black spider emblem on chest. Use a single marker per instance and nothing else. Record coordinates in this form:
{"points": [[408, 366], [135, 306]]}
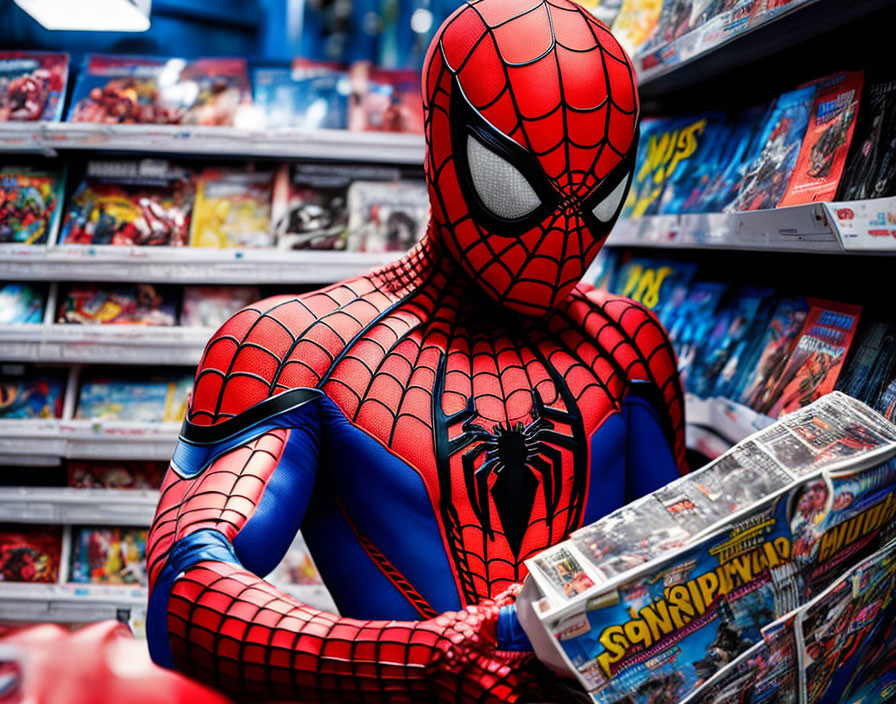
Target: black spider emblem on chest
{"points": [[508, 464]]}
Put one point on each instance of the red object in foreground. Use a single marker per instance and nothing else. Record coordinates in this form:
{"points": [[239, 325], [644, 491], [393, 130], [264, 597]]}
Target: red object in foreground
{"points": [[98, 664]]}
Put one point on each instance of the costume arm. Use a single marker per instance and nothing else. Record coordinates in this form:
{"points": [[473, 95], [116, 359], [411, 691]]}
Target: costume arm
{"points": [[226, 518]]}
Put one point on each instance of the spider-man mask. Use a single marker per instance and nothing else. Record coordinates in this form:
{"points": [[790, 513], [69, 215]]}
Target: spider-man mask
{"points": [[531, 128]]}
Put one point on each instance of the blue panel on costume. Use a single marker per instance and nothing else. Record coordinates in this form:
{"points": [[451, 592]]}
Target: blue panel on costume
{"points": [[511, 635], [201, 546], [266, 536], [651, 464], [357, 586], [389, 505], [606, 489]]}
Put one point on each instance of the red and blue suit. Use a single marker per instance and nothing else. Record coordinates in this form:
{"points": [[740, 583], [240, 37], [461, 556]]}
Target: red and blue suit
{"points": [[434, 423]]}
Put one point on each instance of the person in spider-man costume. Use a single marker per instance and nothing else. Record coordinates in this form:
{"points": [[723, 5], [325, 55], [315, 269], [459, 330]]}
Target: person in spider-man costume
{"points": [[432, 424]]}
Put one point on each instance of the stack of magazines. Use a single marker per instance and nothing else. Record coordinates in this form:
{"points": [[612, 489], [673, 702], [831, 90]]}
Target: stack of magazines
{"points": [[768, 574]]}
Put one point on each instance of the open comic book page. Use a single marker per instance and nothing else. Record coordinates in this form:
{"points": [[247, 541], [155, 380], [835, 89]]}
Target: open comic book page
{"points": [[661, 594]]}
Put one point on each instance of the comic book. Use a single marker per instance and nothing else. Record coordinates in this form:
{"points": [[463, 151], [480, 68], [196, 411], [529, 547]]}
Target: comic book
{"points": [[142, 89], [775, 346], [31, 392], [606, 11], [30, 204], [691, 326], [21, 303], [673, 21], [687, 182], [124, 304], [766, 672], [685, 579], [115, 474], [654, 283], [32, 85], [310, 209], [385, 100], [818, 355], [733, 360], [159, 399], [108, 555], [871, 165], [232, 208], [30, 553], [311, 95], [767, 175], [604, 268], [636, 22], [666, 151], [386, 216], [147, 202], [212, 306], [869, 362], [822, 156], [836, 625]]}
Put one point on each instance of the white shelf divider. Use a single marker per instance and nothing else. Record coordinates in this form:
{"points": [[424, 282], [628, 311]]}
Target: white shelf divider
{"points": [[69, 603], [341, 145], [189, 265], [70, 506], [98, 344]]}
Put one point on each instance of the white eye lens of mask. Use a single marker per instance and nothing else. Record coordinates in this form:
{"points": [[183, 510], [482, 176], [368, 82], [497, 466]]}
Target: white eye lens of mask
{"points": [[606, 209], [500, 186]]}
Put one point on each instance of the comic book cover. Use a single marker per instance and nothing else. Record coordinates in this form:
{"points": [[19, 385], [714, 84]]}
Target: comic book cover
{"points": [[32, 85], [21, 303], [30, 204], [734, 358], [386, 216], [212, 306], [673, 21], [666, 150], [768, 174], [108, 555], [868, 362], [311, 95], [147, 202], [310, 208], [30, 392], [606, 11], [817, 357], [740, 149], [149, 400], [767, 672], [604, 267], [385, 100], [822, 156], [232, 208], [141, 89], [636, 22], [691, 326], [687, 182], [126, 304], [774, 347], [837, 625], [871, 165], [115, 474], [690, 577], [654, 282], [30, 553]]}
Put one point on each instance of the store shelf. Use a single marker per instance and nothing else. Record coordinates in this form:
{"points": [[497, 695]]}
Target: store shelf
{"points": [[866, 225], [69, 603], [800, 228], [726, 420], [85, 439], [193, 265], [68, 506], [340, 145], [727, 42], [97, 344]]}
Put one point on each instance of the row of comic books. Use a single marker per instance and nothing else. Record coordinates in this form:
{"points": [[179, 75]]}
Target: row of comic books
{"points": [[773, 353], [38, 392], [647, 26], [154, 202], [652, 601], [834, 138], [125, 304], [209, 91], [108, 555]]}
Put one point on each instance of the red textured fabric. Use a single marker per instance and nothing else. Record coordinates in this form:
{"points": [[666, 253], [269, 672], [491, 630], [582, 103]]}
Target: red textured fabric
{"points": [[416, 356]]}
